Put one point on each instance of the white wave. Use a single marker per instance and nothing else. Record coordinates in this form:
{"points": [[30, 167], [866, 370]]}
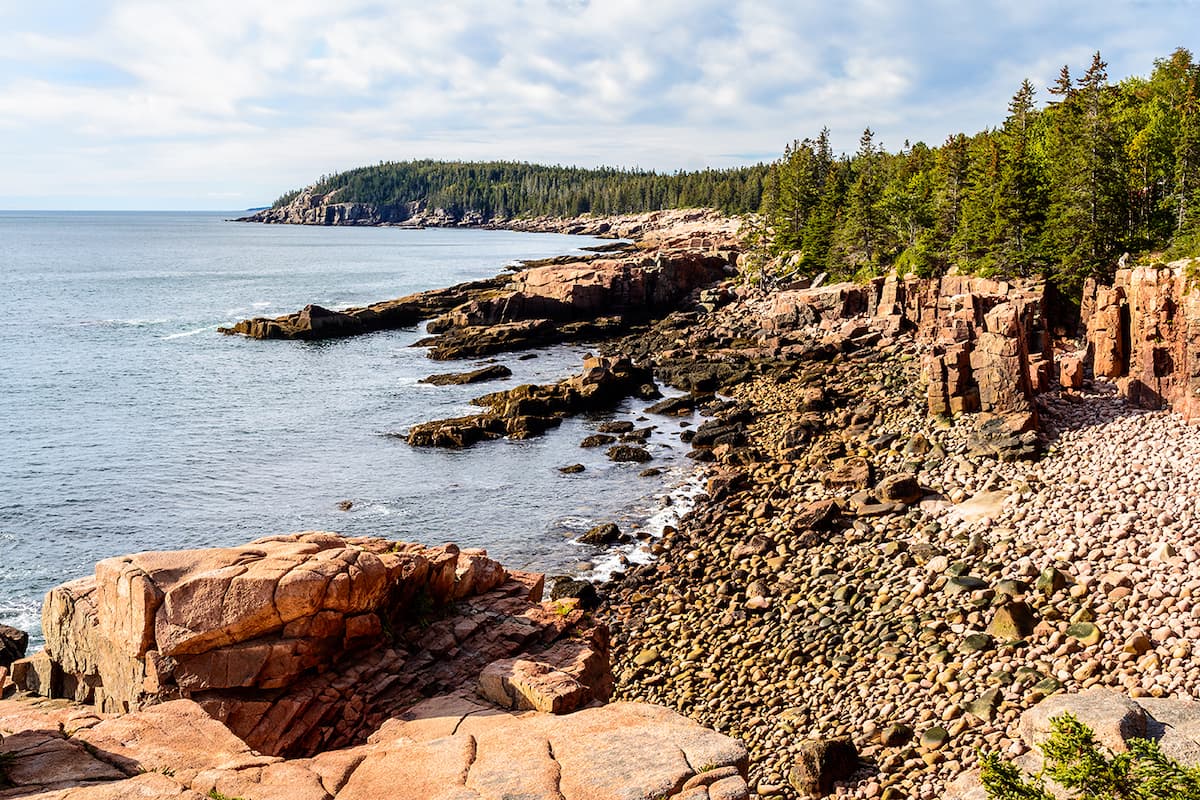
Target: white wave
{"points": [[676, 504], [127, 323], [190, 333]]}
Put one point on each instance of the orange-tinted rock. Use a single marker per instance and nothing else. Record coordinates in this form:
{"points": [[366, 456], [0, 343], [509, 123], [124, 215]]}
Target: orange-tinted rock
{"points": [[307, 642], [1144, 331]]}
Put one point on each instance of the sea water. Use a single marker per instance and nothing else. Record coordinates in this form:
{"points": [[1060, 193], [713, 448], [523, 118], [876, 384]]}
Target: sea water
{"points": [[127, 423]]}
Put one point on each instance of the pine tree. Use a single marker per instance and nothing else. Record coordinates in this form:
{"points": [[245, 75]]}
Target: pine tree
{"points": [[1020, 202], [864, 235]]}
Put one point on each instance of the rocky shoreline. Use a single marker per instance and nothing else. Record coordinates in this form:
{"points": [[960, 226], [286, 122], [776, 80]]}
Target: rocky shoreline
{"points": [[926, 510]]}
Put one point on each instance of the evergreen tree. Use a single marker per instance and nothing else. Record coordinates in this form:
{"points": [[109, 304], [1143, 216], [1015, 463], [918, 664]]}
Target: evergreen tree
{"points": [[1020, 201]]}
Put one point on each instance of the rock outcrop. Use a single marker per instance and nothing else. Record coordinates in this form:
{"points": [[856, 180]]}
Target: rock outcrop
{"points": [[562, 299], [313, 666], [986, 342], [316, 322], [1144, 332], [306, 642], [530, 410], [444, 747]]}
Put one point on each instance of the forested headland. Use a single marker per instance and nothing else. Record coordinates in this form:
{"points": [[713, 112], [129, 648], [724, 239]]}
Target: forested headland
{"points": [[506, 189], [1076, 176]]}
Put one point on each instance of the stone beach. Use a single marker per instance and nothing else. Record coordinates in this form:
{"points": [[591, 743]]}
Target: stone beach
{"points": [[898, 631]]}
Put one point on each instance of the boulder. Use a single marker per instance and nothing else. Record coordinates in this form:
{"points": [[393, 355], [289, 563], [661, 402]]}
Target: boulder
{"points": [[900, 488], [13, 643], [601, 535], [489, 373], [1113, 717], [819, 763], [303, 642], [628, 453]]}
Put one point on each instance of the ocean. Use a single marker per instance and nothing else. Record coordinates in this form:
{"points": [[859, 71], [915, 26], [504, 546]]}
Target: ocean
{"points": [[127, 423]]}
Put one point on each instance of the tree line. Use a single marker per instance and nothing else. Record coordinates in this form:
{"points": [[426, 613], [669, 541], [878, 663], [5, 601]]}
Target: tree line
{"points": [[1060, 190], [507, 189]]}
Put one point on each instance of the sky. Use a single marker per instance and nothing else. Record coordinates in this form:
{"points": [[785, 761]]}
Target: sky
{"points": [[226, 104]]}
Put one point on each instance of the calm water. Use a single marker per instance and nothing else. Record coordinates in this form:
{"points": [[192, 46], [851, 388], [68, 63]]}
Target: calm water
{"points": [[128, 423]]}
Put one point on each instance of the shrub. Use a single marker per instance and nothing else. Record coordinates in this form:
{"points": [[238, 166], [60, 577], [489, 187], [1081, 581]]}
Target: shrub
{"points": [[1081, 765]]}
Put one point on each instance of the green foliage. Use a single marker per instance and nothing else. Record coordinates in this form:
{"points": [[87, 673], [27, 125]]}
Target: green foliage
{"points": [[213, 794], [285, 198], [1058, 191], [506, 189], [1078, 763]]}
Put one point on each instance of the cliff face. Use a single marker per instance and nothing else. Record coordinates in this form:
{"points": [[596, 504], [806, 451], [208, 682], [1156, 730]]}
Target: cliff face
{"points": [[1144, 331], [312, 208], [985, 342]]}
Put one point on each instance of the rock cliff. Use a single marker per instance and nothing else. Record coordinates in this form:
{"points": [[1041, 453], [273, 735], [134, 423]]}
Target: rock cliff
{"points": [[317, 666], [1144, 332], [306, 642]]}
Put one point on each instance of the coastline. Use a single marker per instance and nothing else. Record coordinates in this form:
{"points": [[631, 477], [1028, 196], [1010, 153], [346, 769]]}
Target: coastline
{"points": [[864, 567]]}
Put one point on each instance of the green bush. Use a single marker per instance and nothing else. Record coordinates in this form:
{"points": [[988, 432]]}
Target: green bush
{"points": [[1090, 771]]}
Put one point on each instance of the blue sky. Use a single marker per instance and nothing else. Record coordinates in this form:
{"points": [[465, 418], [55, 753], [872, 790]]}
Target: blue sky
{"points": [[225, 104]]}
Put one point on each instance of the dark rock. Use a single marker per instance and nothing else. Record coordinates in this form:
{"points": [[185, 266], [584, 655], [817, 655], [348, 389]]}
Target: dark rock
{"points": [[345, 505], [652, 472], [597, 440], [821, 762], [625, 452], [572, 469], [494, 372], [895, 735], [900, 488], [584, 591], [817, 516], [13, 643], [674, 406], [602, 534]]}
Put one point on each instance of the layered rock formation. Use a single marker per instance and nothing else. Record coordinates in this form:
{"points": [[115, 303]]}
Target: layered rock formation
{"points": [[306, 642], [316, 322], [314, 208], [567, 299], [1144, 331], [987, 346]]}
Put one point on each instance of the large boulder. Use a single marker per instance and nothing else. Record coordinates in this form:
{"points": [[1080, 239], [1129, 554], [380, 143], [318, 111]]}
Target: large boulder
{"points": [[306, 641]]}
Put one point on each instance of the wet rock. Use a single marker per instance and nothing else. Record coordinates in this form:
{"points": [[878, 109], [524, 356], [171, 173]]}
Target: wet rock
{"points": [[584, 591], [489, 373], [572, 469], [602, 535], [624, 452], [597, 440]]}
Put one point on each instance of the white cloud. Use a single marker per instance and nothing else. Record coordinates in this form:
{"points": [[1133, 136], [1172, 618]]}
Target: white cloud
{"points": [[152, 102]]}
